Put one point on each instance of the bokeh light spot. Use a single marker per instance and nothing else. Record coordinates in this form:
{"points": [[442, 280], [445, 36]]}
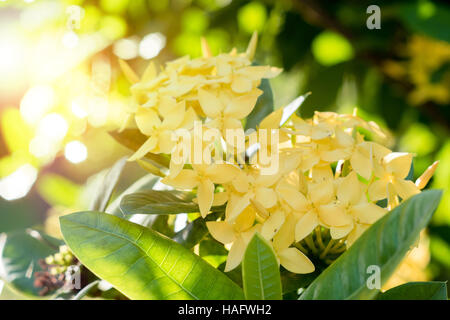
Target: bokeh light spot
{"points": [[75, 152], [18, 183], [252, 17], [330, 48]]}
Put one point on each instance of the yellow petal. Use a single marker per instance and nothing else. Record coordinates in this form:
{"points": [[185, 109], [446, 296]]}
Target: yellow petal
{"points": [[340, 232], [272, 225], [361, 162], [241, 106], [306, 225], [398, 163], [166, 142], [241, 183], [235, 254], [175, 117], [294, 198], [147, 120], [189, 118], [350, 189], [422, 181], [322, 173], [295, 261], [266, 197], [251, 48], [147, 147], [272, 121], [405, 188], [245, 220], [222, 231], [236, 204], [205, 196], [220, 198], [321, 193], [321, 131], [286, 236], [222, 173], [378, 189], [334, 215], [186, 179], [241, 84], [206, 51], [367, 213], [211, 105], [149, 73], [128, 72]]}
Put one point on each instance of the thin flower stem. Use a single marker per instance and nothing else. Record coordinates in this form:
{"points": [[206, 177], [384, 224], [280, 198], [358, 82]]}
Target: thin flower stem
{"points": [[319, 238], [299, 246], [324, 252], [338, 247], [309, 241]]}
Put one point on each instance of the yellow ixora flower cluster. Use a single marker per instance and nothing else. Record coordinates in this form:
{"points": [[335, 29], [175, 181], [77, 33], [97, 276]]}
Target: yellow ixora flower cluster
{"points": [[329, 181]]}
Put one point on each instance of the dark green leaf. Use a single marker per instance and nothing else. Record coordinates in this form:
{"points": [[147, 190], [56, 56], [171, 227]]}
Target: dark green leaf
{"points": [[195, 231], [158, 202], [260, 271], [20, 252], [384, 245], [141, 263], [432, 290]]}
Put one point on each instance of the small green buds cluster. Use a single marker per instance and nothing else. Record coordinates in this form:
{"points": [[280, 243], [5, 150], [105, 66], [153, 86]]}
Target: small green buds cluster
{"points": [[59, 262]]}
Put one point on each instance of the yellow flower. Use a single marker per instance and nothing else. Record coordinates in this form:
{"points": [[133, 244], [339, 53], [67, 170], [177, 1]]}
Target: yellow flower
{"points": [[352, 207], [238, 234], [203, 177], [395, 167], [250, 186], [226, 110]]}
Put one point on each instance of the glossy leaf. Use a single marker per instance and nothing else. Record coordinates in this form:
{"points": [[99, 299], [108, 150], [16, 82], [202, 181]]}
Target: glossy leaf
{"points": [[195, 231], [144, 183], [260, 271], [20, 252], [432, 290], [141, 263], [158, 202], [384, 245], [107, 185]]}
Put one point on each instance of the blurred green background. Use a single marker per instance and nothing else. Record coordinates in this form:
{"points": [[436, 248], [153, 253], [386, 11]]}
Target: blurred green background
{"points": [[60, 86]]}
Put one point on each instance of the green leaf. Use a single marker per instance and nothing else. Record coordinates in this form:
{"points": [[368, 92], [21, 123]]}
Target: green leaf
{"points": [[263, 107], [158, 202], [260, 271], [145, 183], [384, 245], [107, 185], [141, 263], [133, 139], [195, 231], [213, 252], [20, 252], [432, 290]]}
